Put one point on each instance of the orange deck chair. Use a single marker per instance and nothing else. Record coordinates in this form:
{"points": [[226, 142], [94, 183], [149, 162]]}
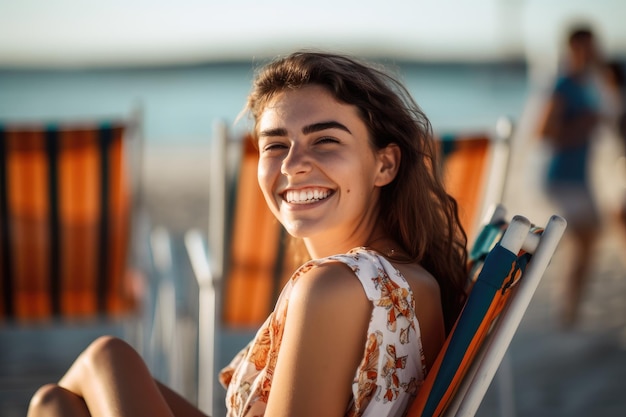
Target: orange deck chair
{"points": [[65, 212], [256, 249], [239, 268], [474, 169], [506, 265]]}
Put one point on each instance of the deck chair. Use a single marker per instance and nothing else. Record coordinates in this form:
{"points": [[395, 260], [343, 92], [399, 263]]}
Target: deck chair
{"points": [[506, 266], [70, 230], [65, 219], [474, 168], [245, 244], [255, 249], [245, 235]]}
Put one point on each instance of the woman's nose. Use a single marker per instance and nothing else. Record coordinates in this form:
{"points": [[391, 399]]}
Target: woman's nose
{"points": [[297, 161]]}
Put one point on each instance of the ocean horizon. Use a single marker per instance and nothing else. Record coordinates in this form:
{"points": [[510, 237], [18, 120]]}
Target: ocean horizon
{"points": [[181, 104]]}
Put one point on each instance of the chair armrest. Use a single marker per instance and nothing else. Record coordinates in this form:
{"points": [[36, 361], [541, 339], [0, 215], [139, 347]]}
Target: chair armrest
{"points": [[208, 282]]}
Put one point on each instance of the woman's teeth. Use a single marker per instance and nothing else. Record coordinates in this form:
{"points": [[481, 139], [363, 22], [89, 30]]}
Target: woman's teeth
{"points": [[306, 196]]}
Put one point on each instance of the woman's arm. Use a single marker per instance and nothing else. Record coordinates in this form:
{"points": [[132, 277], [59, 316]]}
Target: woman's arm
{"points": [[563, 133], [549, 120], [322, 344]]}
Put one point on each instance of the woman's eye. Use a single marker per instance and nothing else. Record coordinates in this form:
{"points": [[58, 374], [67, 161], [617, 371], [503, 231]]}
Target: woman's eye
{"points": [[274, 147], [325, 140]]}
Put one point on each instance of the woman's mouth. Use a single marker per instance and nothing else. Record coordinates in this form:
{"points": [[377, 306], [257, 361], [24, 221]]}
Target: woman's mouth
{"points": [[306, 196]]}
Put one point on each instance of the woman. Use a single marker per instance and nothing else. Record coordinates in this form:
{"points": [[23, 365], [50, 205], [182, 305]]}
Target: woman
{"points": [[348, 166]]}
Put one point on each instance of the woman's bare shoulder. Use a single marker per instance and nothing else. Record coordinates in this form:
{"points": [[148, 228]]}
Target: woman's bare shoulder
{"points": [[329, 281]]}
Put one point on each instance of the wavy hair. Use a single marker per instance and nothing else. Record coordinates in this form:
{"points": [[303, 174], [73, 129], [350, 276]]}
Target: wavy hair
{"points": [[415, 208]]}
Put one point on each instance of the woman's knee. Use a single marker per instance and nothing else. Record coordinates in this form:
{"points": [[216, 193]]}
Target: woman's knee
{"points": [[51, 399], [45, 395], [105, 344], [107, 350]]}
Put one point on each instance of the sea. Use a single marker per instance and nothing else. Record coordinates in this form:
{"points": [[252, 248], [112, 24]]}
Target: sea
{"points": [[181, 103]]}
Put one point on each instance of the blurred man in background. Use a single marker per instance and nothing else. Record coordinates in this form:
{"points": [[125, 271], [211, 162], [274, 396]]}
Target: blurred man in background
{"points": [[568, 122]]}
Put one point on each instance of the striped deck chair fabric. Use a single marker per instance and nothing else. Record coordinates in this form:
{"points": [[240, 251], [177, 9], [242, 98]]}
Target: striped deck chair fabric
{"points": [[497, 301], [256, 245], [239, 265], [65, 205], [474, 169]]}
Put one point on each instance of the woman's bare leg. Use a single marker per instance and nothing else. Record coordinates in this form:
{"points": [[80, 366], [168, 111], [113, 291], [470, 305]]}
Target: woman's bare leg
{"points": [[178, 404], [109, 378], [113, 380]]}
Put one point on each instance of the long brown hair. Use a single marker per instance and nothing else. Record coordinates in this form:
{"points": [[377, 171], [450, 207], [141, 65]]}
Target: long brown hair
{"points": [[414, 207]]}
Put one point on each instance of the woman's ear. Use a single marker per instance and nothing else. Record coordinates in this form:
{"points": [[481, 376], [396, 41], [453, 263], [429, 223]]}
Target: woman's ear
{"points": [[389, 163]]}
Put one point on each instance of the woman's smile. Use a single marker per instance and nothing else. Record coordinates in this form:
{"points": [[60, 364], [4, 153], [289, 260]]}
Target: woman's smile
{"points": [[306, 195]]}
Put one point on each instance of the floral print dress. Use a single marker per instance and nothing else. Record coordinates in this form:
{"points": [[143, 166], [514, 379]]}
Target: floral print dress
{"points": [[392, 368]]}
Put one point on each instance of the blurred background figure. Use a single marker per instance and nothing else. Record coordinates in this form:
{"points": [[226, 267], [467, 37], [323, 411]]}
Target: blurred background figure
{"points": [[568, 124]]}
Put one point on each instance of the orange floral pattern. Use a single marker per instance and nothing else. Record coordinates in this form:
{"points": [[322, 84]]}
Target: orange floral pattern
{"points": [[392, 368]]}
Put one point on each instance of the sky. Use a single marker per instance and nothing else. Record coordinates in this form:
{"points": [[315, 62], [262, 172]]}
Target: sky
{"points": [[76, 33]]}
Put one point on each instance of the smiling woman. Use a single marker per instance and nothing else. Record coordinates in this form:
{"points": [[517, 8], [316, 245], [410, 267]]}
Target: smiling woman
{"points": [[347, 165], [357, 327]]}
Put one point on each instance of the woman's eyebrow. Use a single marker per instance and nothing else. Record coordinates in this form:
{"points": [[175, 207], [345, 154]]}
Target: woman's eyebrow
{"points": [[316, 127], [279, 131], [312, 128]]}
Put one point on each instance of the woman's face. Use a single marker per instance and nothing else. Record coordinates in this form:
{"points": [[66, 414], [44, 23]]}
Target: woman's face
{"points": [[318, 170]]}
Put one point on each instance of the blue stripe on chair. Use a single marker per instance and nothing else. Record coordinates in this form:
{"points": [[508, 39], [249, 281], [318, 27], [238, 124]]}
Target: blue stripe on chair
{"points": [[6, 267], [448, 143], [485, 240], [105, 140], [52, 151], [487, 285]]}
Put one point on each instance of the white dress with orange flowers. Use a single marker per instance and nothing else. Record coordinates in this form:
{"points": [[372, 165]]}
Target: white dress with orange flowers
{"points": [[392, 368]]}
